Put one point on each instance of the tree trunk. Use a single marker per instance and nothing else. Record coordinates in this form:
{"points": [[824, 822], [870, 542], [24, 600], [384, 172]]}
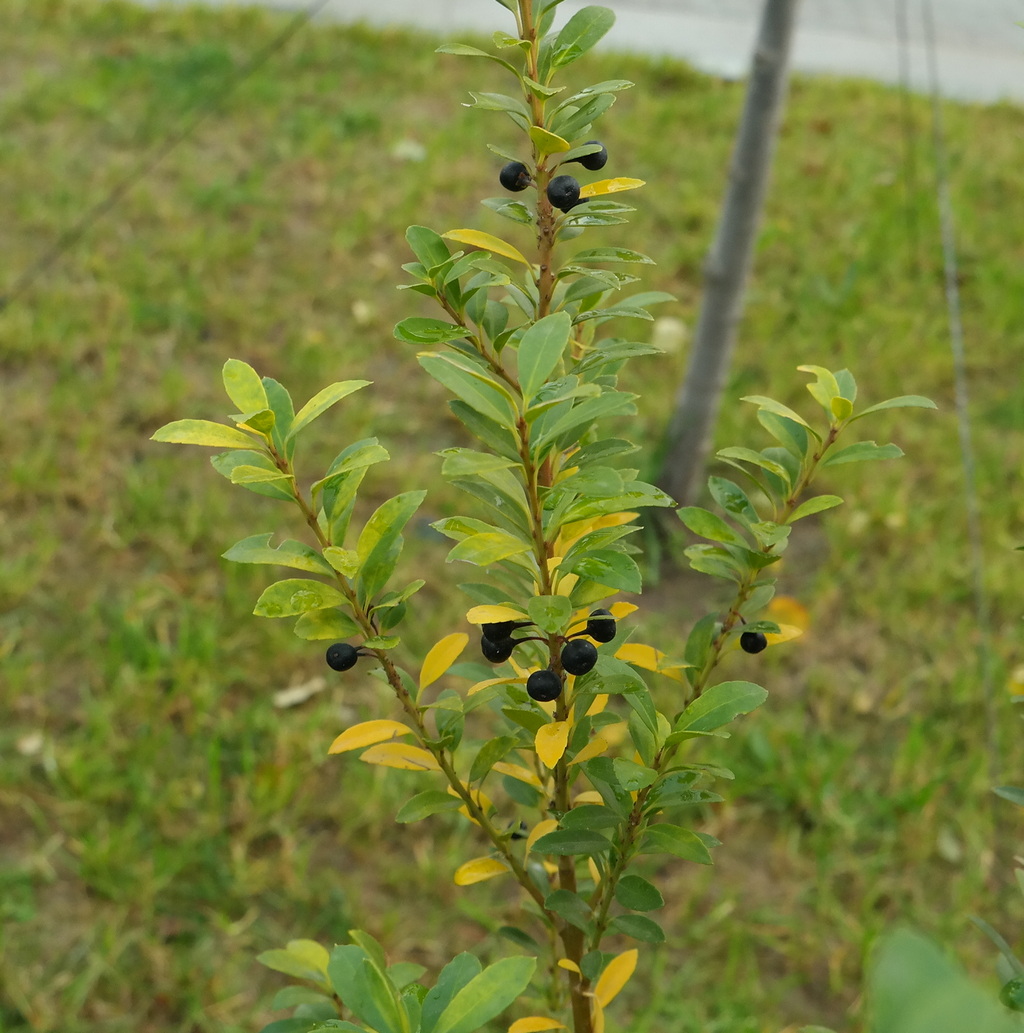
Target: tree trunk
{"points": [[691, 427]]}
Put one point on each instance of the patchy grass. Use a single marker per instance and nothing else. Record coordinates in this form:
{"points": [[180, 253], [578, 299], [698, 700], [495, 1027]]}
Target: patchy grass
{"points": [[160, 821]]}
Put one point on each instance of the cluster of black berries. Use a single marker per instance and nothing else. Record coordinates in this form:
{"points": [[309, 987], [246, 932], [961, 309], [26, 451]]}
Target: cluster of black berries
{"points": [[578, 655], [563, 191]]}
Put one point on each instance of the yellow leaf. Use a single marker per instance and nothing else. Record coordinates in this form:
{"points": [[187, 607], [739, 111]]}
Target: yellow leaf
{"points": [[650, 659], [551, 741], [517, 771], [1015, 685], [590, 796], [594, 748], [542, 828], [610, 186], [787, 632], [535, 1024], [478, 870], [595, 872], [570, 966], [368, 733], [620, 610], [548, 143], [598, 1018], [600, 702], [481, 685], [441, 656], [401, 755], [784, 609], [615, 977], [487, 241], [494, 614]]}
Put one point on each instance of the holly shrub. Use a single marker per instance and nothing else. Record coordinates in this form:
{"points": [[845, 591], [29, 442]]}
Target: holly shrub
{"points": [[588, 766]]}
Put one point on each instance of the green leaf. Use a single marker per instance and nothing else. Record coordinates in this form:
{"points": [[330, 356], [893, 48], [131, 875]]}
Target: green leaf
{"points": [[489, 754], [428, 246], [244, 386], [485, 396], [244, 475], [707, 525], [570, 906], [640, 927], [1012, 793], [861, 452], [517, 211], [606, 567], [582, 31], [322, 401], [420, 330], [464, 462], [203, 432], [292, 996], [719, 705], [540, 351], [638, 894], [611, 254], [842, 408], [748, 455], [549, 612], [671, 839], [485, 549], [569, 842], [779, 409], [589, 816], [359, 981], [825, 388], [379, 542], [296, 595], [902, 402], [486, 996], [316, 625], [464, 50], [454, 976], [421, 806], [257, 549], [816, 505], [631, 776], [227, 462], [291, 965]]}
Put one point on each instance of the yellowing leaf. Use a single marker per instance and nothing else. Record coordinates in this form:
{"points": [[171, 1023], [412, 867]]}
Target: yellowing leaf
{"points": [[787, 632], [441, 656], [487, 241], [478, 870], [597, 1020], [594, 748], [595, 872], [569, 966], [610, 186], [312, 953], [368, 733], [615, 977], [548, 143], [517, 771], [401, 755], [535, 1024], [542, 828], [494, 614], [551, 741]]}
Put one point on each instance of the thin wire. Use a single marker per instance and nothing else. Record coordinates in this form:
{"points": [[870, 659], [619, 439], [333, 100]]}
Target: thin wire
{"points": [[907, 127], [956, 338], [200, 112]]}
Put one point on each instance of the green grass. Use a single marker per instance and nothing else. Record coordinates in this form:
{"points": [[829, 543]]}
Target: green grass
{"points": [[160, 821]]}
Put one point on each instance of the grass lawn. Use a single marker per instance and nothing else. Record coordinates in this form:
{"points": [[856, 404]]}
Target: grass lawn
{"points": [[161, 821]]}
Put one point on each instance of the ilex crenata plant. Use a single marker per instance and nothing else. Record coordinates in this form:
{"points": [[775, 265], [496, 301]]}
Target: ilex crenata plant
{"points": [[591, 759]]}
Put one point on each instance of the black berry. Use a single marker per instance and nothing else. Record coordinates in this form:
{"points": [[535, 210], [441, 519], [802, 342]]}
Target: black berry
{"points": [[753, 641], [579, 656], [515, 176], [597, 160], [341, 656], [601, 627], [564, 192], [499, 630], [497, 650], [544, 686]]}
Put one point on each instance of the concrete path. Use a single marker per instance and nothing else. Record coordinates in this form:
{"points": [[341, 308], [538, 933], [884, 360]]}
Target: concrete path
{"points": [[979, 43]]}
